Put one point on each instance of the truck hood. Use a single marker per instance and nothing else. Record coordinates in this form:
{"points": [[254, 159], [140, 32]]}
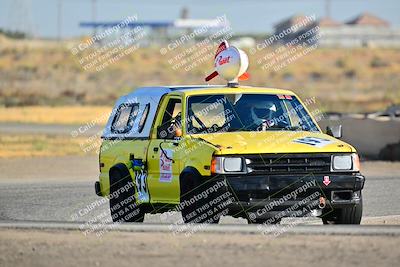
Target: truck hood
{"points": [[275, 142]]}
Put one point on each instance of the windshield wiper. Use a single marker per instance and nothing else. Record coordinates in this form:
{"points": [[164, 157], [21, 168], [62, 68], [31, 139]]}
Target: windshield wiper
{"points": [[289, 128], [234, 130]]}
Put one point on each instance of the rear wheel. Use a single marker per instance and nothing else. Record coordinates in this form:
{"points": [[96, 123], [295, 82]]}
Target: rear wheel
{"points": [[348, 215], [122, 198]]}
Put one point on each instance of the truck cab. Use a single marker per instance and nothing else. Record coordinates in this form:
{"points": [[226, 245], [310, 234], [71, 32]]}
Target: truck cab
{"points": [[209, 151]]}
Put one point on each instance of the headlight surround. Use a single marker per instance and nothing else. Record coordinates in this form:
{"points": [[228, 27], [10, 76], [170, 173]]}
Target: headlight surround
{"points": [[228, 165], [345, 162]]}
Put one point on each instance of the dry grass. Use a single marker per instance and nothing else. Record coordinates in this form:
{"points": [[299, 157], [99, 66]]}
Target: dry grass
{"points": [[357, 80], [55, 115], [43, 145]]}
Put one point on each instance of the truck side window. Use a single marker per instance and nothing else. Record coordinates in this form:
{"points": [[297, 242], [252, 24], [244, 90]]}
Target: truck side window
{"points": [[144, 117], [172, 117], [124, 118]]}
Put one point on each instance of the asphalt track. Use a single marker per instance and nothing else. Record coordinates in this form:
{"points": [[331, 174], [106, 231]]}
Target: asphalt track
{"points": [[55, 204]]}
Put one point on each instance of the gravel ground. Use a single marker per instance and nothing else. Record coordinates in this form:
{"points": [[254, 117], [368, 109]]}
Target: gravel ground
{"points": [[53, 189], [72, 248]]}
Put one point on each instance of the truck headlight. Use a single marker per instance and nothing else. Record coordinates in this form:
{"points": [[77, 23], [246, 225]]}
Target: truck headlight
{"points": [[227, 165], [349, 162]]}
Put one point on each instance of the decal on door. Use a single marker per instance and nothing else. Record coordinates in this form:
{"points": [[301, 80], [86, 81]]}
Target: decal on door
{"points": [[313, 141], [166, 165], [141, 185]]}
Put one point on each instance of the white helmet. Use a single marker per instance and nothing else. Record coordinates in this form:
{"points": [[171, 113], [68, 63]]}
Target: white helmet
{"points": [[263, 112]]}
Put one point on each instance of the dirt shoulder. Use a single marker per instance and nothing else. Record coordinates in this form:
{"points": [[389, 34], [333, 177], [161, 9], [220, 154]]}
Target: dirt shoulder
{"points": [[72, 248], [63, 169], [65, 115]]}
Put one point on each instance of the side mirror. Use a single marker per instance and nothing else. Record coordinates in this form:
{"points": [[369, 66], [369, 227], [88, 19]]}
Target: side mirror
{"points": [[335, 131]]}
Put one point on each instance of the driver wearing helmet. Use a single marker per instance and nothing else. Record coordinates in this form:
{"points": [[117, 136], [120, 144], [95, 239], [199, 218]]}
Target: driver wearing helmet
{"points": [[265, 114]]}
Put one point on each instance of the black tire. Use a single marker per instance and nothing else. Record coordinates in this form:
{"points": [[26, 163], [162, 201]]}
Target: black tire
{"points": [[348, 215], [205, 209], [262, 221], [122, 197]]}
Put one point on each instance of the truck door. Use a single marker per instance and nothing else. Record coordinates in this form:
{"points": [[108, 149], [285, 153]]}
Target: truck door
{"points": [[163, 154]]}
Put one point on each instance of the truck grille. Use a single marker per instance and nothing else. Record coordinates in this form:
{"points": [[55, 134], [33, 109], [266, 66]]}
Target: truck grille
{"points": [[288, 163]]}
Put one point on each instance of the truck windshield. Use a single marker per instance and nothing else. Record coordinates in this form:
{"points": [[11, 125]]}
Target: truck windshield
{"points": [[246, 112]]}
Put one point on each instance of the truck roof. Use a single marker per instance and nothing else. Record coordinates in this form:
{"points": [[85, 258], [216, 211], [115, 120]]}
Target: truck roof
{"points": [[150, 96], [208, 89]]}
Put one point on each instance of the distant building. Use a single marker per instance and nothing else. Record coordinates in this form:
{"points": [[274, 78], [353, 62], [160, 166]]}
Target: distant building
{"points": [[368, 20], [163, 31], [328, 22], [366, 30], [289, 29]]}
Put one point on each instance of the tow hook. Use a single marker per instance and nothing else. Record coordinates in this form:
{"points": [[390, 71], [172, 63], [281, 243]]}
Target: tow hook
{"points": [[322, 203]]}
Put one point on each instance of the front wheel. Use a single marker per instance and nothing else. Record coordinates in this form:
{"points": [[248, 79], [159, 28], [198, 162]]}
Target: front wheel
{"points": [[202, 201], [348, 215], [264, 221], [122, 198]]}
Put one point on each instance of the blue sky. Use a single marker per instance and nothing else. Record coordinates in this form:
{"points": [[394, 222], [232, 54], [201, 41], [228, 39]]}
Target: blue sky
{"points": [[256, 16]]}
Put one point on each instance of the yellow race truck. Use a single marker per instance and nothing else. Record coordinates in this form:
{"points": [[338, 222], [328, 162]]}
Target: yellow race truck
{"points": [[210, 151]]}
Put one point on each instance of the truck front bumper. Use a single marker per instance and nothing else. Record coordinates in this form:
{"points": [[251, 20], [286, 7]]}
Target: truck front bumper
{"points": [[272, 194]]}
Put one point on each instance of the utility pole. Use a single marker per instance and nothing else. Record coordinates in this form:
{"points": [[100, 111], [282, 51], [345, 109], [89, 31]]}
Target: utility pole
{"points": [[20, 17], [94, 14], [328, 8], [59, 19]]}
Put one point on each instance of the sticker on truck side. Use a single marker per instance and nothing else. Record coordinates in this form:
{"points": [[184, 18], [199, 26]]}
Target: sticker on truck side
{"points": [[166, 166], [313, 141]]}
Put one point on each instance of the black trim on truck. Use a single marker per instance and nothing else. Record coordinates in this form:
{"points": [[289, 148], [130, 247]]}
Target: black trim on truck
{"points": [[252, 192], [97, 189]]}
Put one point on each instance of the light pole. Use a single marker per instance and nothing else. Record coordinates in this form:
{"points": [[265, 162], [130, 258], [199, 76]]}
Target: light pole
{"points": [[59, 19], [94, 15], [328, 8]]}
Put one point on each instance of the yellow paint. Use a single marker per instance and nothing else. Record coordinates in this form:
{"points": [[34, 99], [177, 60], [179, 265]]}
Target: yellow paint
{"points": [[197, 150]]}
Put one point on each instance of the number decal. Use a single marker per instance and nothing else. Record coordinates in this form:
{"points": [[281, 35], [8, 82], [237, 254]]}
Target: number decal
{"points": [[313, 141], [141, 185]]}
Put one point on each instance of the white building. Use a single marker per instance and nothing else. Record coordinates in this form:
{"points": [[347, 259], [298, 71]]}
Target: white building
{"points": [[366, 30]]}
